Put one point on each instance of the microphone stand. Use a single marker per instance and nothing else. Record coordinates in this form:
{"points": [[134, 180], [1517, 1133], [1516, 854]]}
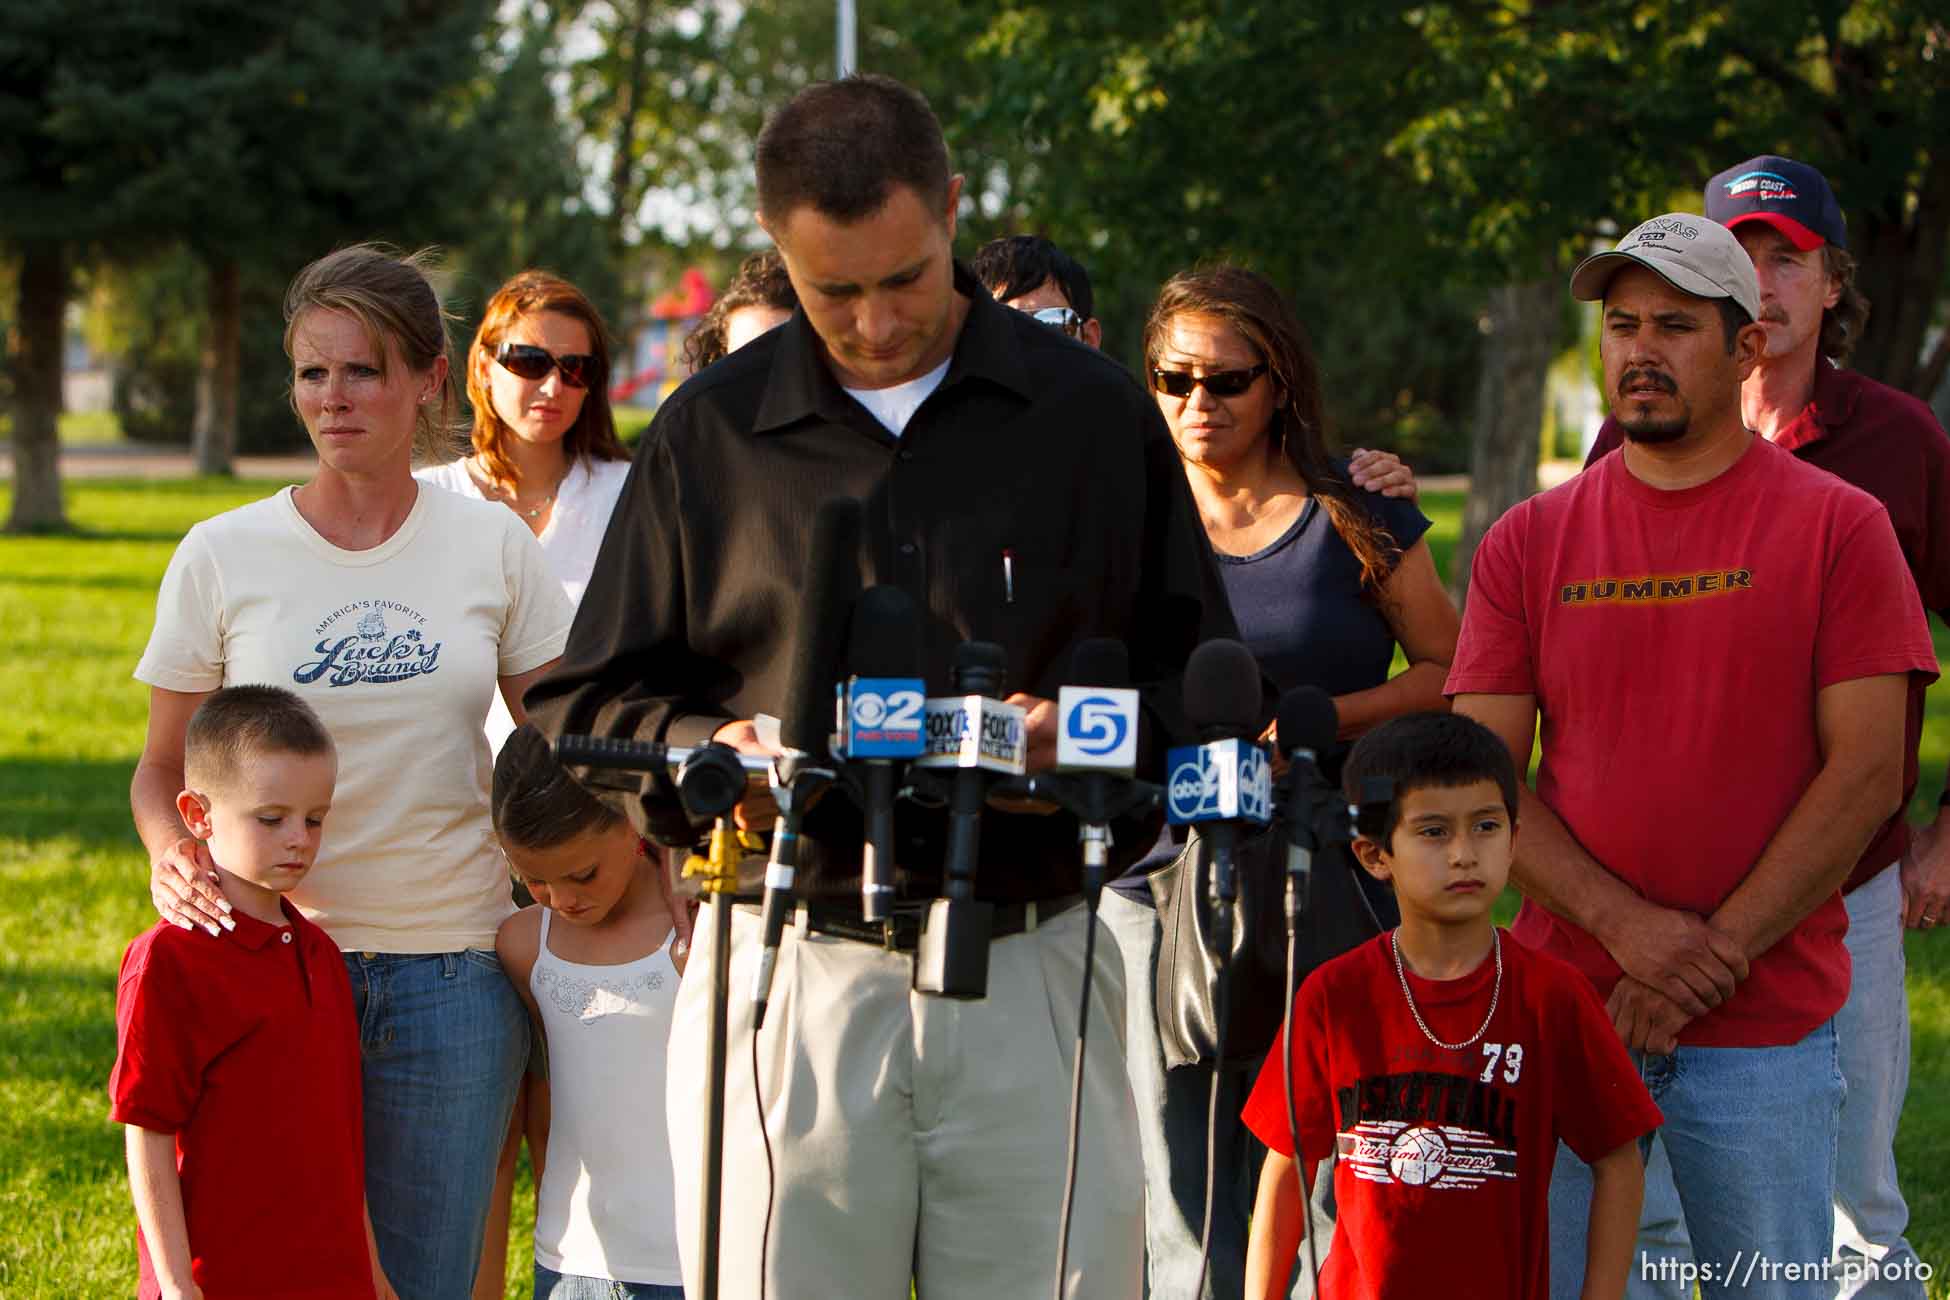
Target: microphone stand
{"points": [[717, 875], [1306, 797]]}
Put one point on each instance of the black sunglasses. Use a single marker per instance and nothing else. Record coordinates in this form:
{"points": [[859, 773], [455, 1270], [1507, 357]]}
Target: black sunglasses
{"points": [[579, 369], [1219, 383]]}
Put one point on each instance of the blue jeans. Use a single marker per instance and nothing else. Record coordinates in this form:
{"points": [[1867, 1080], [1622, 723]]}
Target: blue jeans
{"points": [[550, 1285], [443, 1038], [1872, 1259], [1171, 1110], [1751, 1134]]}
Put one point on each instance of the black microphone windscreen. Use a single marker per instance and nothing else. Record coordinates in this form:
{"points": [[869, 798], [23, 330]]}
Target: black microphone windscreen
{"points": [[886, 637], [979, 668], [1100, 661], [1222, 690], [832, 582], [1307, 720]]}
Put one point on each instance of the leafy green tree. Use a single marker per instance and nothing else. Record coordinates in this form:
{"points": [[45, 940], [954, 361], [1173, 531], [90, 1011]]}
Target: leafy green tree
{"points": [[257, 136], [1862, 91]]}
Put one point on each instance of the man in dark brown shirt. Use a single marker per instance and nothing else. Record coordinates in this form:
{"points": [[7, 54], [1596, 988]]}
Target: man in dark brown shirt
{"points": [[1887, 443], [1022, 489]]}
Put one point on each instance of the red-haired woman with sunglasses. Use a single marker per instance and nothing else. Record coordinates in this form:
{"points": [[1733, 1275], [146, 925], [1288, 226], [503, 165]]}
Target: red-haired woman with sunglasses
{"points": [[544, 440], [1326, 581]]}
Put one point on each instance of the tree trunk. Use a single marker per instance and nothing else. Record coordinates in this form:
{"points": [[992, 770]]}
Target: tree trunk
{"points": [[40, 311], [1900, 264], [622, 163], [1521, 337], [213, 433]]}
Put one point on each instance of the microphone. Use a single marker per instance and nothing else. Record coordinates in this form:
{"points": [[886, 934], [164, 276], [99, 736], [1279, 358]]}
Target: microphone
{"points": [[976, 735], [975, 730], [882, 722], [1226, 780], [1305, 725], [805, 767], [1096, 736]]}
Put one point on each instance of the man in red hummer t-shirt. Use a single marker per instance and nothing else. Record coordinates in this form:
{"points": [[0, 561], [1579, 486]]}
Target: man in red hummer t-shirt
{"points": [[1890, 445], [1718, 640]]}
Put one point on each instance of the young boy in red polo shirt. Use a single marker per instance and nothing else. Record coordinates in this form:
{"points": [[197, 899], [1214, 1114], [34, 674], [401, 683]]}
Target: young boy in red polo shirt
{"points": [[237, 1068], [1441, 1066]]}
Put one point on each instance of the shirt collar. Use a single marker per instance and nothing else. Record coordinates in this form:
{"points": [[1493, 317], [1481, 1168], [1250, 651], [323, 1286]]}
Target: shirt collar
{"points": [[255, 934], [801, 384], [1829, 408]]}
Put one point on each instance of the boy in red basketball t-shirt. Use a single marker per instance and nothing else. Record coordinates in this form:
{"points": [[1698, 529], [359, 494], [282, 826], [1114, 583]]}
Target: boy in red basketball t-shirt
{"points": [[1441, 1066], [237, 1070]]}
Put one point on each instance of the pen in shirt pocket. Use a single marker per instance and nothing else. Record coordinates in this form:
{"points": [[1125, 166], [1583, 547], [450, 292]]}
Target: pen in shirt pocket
{"points": [[1008, 576]]}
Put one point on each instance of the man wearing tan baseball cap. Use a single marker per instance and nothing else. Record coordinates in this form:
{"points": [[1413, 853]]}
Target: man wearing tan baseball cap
{"points": [[1690, 253], [1718, 640], [1886, 442]]}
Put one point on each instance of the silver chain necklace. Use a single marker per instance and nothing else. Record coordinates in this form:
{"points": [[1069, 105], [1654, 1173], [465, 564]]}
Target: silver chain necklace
{"points": [[1496, 991], [513, 502]]}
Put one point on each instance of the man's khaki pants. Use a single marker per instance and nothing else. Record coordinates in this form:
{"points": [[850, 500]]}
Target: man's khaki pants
{"points": [[913, 1137]]}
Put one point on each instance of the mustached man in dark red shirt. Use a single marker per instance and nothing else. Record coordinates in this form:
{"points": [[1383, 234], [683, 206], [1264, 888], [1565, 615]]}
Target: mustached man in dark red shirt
{"points": [[1887, 443]]}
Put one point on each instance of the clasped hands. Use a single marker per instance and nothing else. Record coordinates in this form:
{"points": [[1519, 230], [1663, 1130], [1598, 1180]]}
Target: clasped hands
{"points": [[1676, 967]]}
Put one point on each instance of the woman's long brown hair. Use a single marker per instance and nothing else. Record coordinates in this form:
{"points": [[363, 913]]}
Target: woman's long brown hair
{"points": [[1251, 305], [528, 294]]}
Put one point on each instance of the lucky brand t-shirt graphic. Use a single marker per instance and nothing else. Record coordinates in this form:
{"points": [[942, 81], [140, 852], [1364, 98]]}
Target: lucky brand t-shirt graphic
{"points": [[399, 648], [372, 641]]}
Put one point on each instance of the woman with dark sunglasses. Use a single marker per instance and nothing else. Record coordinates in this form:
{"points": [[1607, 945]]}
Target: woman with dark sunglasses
{"points": [[544, 440], [1326, 581]]}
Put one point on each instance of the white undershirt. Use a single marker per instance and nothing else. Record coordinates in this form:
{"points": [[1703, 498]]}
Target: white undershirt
{"points": [[895, 406]]}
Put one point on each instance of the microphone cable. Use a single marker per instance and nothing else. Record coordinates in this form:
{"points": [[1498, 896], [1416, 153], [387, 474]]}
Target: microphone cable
{"points": [[771, 1174], [1212, 1132], [1293, 1115], [1076, 1099]]}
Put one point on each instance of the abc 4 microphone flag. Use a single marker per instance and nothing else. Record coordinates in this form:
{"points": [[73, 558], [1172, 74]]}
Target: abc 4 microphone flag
{"points": [[1226, 780]]}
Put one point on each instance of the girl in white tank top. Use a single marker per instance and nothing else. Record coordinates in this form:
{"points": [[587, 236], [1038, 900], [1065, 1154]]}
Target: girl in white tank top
{"points": [[598, 961]]}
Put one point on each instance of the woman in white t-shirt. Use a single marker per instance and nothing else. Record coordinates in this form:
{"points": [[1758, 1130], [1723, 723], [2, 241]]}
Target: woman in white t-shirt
{"points": [[395, 612], [544, 445]]}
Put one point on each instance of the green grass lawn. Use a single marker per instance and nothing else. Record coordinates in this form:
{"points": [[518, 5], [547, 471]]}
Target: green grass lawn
{"points": [[75, 613], [79, 428], [631, 421]]}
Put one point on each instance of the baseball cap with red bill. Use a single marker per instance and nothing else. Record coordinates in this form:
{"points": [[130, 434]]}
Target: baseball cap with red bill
{"points": [[1689, 252], [1792, 197]]}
